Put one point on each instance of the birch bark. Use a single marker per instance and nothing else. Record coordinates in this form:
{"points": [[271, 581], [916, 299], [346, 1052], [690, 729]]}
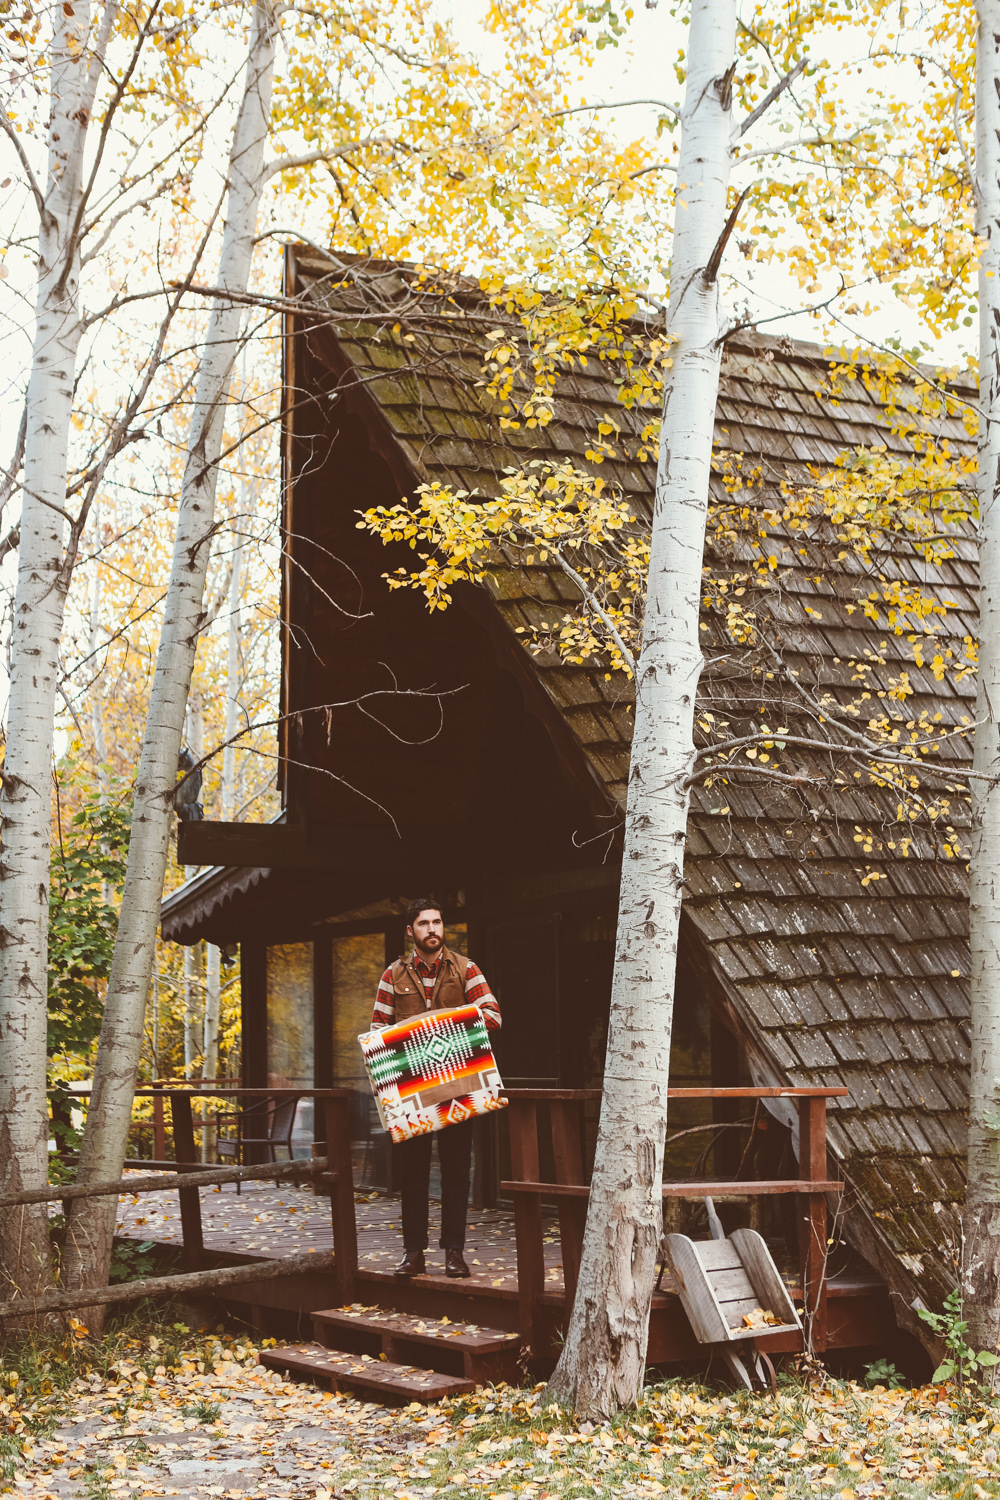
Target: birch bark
{"points": [[194, 1008], [603, 1360], [39, 603], [981, 1268], [91, 1224], [213, 956]]}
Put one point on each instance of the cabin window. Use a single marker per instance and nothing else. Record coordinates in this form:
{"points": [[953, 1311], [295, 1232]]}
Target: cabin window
{"points": [[358, 963], [290, 1030], [290, 1015]]}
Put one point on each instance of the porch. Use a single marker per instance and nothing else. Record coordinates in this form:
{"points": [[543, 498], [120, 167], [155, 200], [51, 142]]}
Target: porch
{"points": [[524, 1258]]}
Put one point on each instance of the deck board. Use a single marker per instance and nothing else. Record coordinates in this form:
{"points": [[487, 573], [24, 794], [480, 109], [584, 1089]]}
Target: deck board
{"points": [[271, 1221]]}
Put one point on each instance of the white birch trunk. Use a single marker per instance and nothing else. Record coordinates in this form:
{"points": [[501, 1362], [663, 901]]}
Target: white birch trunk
{"points": [[192, 1005], [603, 1360], [210, 1043], [234, 682], [213, 956], [39, 604], [981, 1269], [91, 1224], [97, 686], [194, 995]]}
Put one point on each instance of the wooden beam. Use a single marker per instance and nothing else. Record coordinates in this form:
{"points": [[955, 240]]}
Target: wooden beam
{"points": [[748, 1189], [358, 849]]}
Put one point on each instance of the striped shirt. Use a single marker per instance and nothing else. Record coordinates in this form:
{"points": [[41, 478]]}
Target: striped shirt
{"points": [[477, 992]]}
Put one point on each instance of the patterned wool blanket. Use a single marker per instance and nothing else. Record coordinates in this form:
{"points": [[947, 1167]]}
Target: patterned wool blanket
{"points": [[434, 1070]]}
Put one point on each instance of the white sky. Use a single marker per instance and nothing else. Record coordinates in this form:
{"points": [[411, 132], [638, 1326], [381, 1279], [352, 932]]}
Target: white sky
{"points": [[641, 67]]}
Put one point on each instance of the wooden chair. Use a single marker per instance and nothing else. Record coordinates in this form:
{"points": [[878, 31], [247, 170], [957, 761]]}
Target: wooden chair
{"points": [[257, 1131]]}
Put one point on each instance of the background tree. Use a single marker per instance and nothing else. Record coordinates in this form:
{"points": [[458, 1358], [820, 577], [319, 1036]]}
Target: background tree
{"points": [[981, 1268]]}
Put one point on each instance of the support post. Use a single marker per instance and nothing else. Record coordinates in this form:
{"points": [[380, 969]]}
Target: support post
{"points": [[567, 1151], [159, 1126], [189, 1198], [337, 1127], [813, 1219], [527, 1221]]}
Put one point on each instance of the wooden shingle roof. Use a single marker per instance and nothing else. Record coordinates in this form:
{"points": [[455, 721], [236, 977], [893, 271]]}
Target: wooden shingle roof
{"points": [[830, 980]]}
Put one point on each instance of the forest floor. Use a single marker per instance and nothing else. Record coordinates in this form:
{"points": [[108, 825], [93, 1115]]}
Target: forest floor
{"points": [[168, 1413]]}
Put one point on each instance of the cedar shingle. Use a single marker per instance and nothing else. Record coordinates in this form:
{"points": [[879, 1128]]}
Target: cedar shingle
{"points": [[819, 967]]}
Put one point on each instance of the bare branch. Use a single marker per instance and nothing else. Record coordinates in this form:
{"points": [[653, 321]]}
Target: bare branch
{"points": [[15, 141], [10, 475], [769, 98], [791, 313], [711, 271], [309, 158], [580, 109]]}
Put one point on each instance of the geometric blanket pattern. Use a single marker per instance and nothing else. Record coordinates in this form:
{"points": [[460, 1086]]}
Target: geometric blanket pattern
{"points": [[435, 1070]]}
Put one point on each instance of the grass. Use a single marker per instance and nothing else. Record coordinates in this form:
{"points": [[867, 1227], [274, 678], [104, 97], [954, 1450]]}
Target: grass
{"points": [[39, 1369], [832, 1439]]}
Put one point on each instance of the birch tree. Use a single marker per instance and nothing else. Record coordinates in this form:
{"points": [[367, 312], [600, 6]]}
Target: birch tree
{"points": [[91, 1222], [603, 1361], [77, 63], [981, 1268]]}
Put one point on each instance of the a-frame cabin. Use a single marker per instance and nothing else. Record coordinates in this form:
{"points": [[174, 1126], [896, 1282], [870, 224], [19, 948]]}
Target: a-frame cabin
{"points": [[434, 752]]}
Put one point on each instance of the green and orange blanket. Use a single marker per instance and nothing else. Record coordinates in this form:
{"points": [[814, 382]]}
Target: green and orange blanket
{"points": [[432, 1071]]}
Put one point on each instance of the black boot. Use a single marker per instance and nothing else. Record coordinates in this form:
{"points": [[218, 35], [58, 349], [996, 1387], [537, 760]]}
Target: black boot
{"points": [[412, 1264], [454, 1264]]}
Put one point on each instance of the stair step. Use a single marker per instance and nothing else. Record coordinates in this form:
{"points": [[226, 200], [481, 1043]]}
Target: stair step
{"points": [[433, 1332], [359, 1372]]}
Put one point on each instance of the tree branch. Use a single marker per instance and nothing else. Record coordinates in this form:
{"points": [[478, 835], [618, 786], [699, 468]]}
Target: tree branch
{"points": [[711, 271], [768, 99], [590, 599], [14, 139], [308, 158], [580, 109]]}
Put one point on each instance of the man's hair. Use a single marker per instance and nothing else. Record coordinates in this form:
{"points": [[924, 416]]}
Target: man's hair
{"points": [[423, 903]]}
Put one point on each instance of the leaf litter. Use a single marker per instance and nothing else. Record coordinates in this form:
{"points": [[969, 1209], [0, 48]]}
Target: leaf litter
{"points": [[203, 1418]]}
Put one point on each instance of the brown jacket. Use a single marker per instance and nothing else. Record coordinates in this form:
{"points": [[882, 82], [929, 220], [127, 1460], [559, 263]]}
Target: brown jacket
{"points": [[449, 987]]}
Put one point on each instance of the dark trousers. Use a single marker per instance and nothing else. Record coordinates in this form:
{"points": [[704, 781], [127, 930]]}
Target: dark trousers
{"points": [[414, 1161]]}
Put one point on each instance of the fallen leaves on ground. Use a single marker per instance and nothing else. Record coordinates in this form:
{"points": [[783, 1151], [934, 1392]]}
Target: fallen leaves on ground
{"points": [[204, 1419]]}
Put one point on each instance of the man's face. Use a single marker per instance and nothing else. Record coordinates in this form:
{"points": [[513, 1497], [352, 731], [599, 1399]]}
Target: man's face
{"points": [[427, 932]]}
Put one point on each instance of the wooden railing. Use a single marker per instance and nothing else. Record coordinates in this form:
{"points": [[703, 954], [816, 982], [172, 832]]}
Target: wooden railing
{"points": [[334, 1105], [570, 1190]]}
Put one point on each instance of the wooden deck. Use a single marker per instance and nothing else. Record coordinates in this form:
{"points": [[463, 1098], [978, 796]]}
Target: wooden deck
{"points": [[267, 1221], [524, 1260]]}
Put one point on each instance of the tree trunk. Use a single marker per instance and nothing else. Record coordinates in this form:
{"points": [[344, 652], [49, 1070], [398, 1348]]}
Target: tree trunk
{"points": [[213, 956], [603, 1360], [210, 1044], [39, 604], [981, 1269], [192, 1005], [91, 1223]]}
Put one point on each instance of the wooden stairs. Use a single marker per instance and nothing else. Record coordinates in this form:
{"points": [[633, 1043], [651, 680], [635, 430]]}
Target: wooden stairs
{"points": [[393, 1356]]}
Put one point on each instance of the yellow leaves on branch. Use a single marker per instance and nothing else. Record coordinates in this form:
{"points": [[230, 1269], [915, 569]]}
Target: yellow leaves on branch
{"points": [[547, 515]]}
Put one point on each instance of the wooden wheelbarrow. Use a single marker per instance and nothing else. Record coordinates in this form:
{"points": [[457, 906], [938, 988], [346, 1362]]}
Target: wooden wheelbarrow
{"points": [[732, 1293]]}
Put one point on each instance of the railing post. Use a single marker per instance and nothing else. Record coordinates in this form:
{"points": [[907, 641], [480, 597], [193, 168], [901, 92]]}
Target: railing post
{"points": [[337, 1127], [567, 1151], [524, 1167], [159, 1125], [190, 1201], [813, 1223]]}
